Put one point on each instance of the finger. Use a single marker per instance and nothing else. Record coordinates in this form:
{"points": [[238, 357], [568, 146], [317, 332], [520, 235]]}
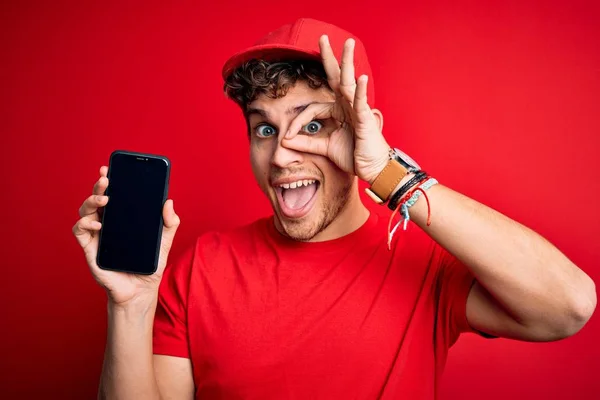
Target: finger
{"points": [[91, 204], [312, 112], [85, 226], [308, 144], [332, 68], [170, 218], [348, 80], [100, 186], [171, 223], [361, 107], [103, 170]]}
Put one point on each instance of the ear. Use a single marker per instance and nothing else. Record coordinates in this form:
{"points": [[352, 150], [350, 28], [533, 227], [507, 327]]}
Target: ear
{"points": [[379, 118]]}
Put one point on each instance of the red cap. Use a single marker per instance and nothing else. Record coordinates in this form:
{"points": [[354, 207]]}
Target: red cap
{"points": [[301, 40]]}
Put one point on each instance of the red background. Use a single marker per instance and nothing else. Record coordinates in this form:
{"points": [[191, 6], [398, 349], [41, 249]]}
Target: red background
{"points": [[499, 102]]}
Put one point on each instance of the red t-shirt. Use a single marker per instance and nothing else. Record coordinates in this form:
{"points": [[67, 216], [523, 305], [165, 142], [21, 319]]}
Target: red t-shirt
{"points": [[264, 317]]}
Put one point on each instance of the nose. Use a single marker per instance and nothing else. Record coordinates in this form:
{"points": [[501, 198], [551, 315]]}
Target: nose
{"points": [[284, 157]]}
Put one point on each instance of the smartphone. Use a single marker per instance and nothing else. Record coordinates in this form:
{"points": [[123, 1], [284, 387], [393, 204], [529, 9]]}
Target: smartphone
{"points": [[132, 220]]}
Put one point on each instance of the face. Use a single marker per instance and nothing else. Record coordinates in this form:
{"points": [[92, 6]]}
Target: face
{"points": [[307, 191]]}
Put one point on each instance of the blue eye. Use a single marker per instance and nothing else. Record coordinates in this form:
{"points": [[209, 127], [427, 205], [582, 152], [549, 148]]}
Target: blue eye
{"points": [[265, 130], [312, 127]]}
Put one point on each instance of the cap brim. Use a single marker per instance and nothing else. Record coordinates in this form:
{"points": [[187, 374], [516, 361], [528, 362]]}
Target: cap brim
{"points": [[267, 52]]}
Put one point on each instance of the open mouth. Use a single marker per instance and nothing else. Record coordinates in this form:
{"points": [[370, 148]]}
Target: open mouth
{"points": [[296, 199]]}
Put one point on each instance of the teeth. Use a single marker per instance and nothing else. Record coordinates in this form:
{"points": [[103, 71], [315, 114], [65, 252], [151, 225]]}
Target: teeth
{"points": [[297, 184]]}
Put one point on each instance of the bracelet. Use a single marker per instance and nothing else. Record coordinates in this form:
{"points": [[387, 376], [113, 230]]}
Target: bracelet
{"points": [[393, 203], [412, 197], [425, 186]]}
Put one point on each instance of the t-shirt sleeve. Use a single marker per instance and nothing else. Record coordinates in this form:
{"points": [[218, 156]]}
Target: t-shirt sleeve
{"points": [[453, 284], [170, 332]]}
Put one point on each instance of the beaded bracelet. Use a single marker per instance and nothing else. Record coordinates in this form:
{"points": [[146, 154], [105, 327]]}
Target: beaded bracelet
{"points": [[425, 186]]}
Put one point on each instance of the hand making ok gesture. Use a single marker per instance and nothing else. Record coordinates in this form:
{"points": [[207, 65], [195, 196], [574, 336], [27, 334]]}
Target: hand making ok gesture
{"points": [[357, 145]]}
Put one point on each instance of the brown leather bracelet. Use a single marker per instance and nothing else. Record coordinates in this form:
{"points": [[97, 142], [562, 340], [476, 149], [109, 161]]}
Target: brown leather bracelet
{"points": [[387, 180]]}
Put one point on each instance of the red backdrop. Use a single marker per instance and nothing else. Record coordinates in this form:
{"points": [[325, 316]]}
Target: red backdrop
{"points": [[499, 102]]}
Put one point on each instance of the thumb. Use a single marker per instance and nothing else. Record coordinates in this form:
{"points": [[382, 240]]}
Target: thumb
{"points": [[171, 220], [171, 223]]}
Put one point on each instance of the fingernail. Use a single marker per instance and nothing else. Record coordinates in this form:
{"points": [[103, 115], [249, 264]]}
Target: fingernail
{"points": [[99, 198], [288, 134]]}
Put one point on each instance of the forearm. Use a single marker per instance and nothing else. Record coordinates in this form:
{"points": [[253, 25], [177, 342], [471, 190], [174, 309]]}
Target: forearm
{"points": [[128, 371], [533, 281]]}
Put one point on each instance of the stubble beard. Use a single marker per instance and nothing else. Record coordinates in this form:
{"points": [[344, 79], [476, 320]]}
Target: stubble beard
{"points": [[304, 230]]}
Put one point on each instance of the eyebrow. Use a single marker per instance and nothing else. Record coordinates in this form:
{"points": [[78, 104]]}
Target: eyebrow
{"points": [[295, 110], [257, 111]]}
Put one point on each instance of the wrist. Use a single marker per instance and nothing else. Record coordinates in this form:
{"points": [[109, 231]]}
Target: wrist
{"points": [[139, 306], [378, 165], [395, 170]]}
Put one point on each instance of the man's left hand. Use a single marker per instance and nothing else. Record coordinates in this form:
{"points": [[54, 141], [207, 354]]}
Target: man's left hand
{"points": [[357, 144]]}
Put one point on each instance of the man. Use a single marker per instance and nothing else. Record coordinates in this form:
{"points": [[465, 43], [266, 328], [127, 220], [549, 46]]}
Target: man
{"points": [[320, 301]]}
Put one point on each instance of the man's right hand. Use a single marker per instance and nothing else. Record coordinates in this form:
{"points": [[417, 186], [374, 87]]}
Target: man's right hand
{"points": [[122, 288]]}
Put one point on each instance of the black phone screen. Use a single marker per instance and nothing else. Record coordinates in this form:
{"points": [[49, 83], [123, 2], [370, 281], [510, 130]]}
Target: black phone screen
{"points": [[132, 219]]}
